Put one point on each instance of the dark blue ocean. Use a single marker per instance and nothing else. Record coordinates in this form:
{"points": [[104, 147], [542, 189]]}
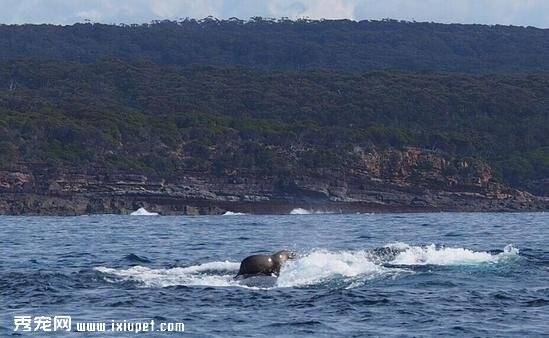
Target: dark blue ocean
{"points": [[454, 274]]}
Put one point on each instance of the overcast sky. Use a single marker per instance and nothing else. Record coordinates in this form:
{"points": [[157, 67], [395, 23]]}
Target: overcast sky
{"points": [[515, 12]]}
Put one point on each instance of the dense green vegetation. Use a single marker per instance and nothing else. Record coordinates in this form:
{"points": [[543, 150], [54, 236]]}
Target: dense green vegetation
{"points": [[143, 117], [340, 45]]}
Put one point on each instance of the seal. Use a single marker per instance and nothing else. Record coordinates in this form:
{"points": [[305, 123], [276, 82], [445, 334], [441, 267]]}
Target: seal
{"points": [[264, 265]]}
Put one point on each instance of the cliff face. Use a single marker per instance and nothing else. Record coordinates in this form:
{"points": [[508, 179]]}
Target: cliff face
{"points": [[171, 121], [390, 180]]}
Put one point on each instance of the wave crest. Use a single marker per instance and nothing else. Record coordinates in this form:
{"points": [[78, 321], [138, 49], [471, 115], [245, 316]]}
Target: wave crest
{"points": [[352, 268], [301, 211], [207, 274], [321, 265], [433, 255], [143, 212]]}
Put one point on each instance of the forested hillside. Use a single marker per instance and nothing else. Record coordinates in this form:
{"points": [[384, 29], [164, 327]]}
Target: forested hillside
{"points": [[340, 45], [164, 120]]}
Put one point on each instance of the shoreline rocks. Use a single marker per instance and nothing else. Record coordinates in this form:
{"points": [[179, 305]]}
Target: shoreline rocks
{"points": [[409, 180]]}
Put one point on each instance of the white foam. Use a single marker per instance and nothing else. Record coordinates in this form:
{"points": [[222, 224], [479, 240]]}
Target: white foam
{"points": [[222, 274], [433, 255], [143, 212], [301, 211], [318, 266], [322, 265], [230, 213]]}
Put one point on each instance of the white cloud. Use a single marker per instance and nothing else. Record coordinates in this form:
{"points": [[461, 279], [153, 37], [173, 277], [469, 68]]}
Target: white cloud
{"points": [[517, 12], [93, 15], [184, 8], [314, 9]]}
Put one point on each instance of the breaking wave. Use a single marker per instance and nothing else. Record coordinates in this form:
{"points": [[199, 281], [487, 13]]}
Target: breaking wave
{"points": [[143, 212], [433, 255], [321, 266], [301, 211], [207, 274], [347, 268], [231, 213]]}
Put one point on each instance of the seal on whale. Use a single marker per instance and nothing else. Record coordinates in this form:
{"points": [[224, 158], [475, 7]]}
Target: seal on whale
{"points": [[264, 265]]}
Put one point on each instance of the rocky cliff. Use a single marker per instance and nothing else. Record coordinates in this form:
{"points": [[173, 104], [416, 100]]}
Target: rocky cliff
{"points": [[409, 179]]}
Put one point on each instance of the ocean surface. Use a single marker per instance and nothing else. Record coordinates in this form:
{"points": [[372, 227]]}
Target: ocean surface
{"points": [[448, 274]]}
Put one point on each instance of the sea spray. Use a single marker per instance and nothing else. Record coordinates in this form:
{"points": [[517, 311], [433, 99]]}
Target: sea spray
{"points": [[301, 211], [433, 255], [143, 212], [321, 265], [207, 274], [231, 213], [314, 268]]}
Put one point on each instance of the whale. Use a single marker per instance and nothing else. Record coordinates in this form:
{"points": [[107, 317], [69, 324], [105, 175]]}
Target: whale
{"points": [[264, 270], [384, 255], [264, 265]]}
